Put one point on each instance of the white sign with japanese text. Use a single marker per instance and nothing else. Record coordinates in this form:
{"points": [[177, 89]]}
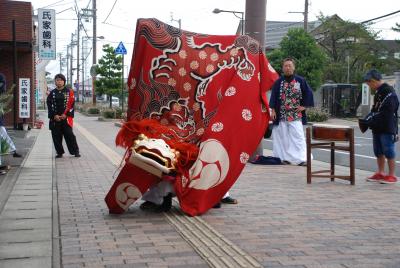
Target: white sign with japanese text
{"points": [[24, 98], [47, 34]]}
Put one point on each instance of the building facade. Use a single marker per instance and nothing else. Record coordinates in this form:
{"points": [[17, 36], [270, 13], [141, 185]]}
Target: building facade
{"points": [[17, 59]]}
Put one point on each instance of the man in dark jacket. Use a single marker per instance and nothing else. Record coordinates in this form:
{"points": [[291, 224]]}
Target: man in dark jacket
{"points": [[290, 97], [384, 125]]}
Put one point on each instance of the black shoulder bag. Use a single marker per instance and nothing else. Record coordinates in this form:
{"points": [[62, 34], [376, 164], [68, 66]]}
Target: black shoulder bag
{"points": [[370, 119]]}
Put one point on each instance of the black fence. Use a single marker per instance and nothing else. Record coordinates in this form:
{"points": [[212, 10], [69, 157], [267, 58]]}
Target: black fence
{"points": [[341, 100]]}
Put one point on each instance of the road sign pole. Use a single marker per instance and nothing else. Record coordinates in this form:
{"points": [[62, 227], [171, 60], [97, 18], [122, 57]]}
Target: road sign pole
{"points": [[121, 50], [122, 87]]}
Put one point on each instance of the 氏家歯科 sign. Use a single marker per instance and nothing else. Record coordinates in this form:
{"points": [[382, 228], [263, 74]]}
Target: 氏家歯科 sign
{"points": [[47, 34], [24, 98]]}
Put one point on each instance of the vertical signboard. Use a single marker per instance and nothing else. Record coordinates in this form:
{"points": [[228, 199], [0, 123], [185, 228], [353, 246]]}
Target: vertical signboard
{"points": [[365, 94], [47, 34], [24, 98]]}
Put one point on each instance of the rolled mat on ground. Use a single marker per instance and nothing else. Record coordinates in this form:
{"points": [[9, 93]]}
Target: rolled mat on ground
{"points": [[266, 160]]}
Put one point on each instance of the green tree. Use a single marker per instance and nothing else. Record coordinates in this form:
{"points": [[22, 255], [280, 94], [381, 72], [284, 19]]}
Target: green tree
{"points": [[310, 59], [352, 48], [109, 70]]}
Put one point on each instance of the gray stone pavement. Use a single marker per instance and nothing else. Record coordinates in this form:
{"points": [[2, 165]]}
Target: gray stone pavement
{"points": [[55, 216], [26, 217]]}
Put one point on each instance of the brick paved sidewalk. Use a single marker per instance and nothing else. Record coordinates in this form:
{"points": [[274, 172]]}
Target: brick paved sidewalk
{"points": [[90, 237], [280, 220], [283, 222]]}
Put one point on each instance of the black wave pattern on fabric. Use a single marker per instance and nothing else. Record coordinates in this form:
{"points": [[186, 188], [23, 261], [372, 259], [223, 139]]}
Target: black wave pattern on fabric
{"points": [[159, 34], [250, 44], [155, 96]]}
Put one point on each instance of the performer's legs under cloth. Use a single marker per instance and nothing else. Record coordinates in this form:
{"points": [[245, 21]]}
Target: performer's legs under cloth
{"points": [[227, 199], [289, 143], [159, 197]]}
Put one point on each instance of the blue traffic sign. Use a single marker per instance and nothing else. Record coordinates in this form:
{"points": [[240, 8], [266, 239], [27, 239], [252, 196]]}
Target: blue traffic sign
{"points": [[120, 49]]}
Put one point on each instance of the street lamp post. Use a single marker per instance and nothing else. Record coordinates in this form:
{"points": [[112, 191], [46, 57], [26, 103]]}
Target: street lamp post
{"points": [[179, 21], [94, 45], [217, 11]]}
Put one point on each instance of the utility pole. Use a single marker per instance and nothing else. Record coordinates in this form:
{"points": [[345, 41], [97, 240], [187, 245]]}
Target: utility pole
{"points": [[83, 70], [60, 58], [306, 16], [255, 21], [91, 13], [122, 88], [67, 64], [94, 49], [77, 54], [72, 60]]}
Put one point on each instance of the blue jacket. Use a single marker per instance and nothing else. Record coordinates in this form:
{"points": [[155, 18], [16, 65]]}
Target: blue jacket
{"points": [[306, 101]]}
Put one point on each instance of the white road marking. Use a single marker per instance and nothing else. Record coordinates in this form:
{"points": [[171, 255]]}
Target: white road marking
{"points": [[114, 157]]}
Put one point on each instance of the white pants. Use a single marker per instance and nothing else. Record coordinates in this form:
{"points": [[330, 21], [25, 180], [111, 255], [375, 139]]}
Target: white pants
{"points": [[226, 195], [156, 193], [289, 143]]}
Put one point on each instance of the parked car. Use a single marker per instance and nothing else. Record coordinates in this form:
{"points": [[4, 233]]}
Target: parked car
{"points": [[115, 102]]}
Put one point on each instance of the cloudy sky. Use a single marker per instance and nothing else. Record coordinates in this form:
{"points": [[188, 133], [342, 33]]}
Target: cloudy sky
{"points": [[117, 18]]}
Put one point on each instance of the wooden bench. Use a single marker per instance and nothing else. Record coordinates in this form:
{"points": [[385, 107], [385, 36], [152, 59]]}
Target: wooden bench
{"points": [[324, 137]]}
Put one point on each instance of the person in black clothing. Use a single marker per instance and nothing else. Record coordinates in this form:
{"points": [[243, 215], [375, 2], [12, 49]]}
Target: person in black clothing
{"points": [[2, 83], [60, 104], [384, 125]]}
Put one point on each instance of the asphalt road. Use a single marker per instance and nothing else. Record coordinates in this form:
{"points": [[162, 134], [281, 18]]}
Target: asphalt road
{"points": [[364, 155]]}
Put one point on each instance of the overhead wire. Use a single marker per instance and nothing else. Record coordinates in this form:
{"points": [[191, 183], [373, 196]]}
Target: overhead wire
{"points": [[117, 26], [380, 17], [109, 13]]}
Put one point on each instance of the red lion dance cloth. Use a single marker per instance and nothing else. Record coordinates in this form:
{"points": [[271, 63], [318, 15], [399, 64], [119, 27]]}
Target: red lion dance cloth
{"points": [[205, 96]]}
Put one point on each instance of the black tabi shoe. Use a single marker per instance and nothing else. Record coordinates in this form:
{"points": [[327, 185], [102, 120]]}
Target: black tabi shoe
{"points": [[147, 206], [6, 167], [164, 207], [166, 204], [15, 154], [229, 200], [59, 156], [218, 205], [77, 155]]}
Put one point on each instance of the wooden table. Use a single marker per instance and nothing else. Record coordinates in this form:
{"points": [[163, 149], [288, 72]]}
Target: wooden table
{"points": [[325, 137]]}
